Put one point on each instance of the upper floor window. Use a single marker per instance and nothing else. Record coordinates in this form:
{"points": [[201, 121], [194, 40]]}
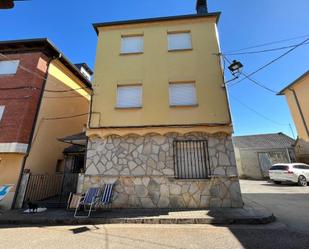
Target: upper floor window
{"points": [[179, 41], [182, 94], [129, 96], [132, 44], [8, 67], [2, 107]]}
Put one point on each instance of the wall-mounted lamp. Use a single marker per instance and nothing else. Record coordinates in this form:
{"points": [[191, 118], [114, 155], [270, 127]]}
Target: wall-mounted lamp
{"points": [[236, 68]]}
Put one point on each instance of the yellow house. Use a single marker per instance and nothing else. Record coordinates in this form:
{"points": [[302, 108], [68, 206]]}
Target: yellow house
{"points": [[43, 97], [160, 127], [297, 96]]}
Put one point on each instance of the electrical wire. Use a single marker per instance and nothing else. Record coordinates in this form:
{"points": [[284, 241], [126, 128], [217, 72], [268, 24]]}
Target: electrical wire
{"points": [[256, 112], [271, 62], [269, 43], [43, 78], [249, 78], [265, 50], [67, 117]]}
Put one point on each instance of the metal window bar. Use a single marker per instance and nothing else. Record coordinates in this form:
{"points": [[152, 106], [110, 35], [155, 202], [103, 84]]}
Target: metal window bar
{"points": [[191, 159]]}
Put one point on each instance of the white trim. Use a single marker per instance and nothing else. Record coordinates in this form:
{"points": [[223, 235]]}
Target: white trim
{"points": [[13, 147]]}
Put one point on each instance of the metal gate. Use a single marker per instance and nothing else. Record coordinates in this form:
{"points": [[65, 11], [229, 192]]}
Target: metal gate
{"points": [[51, 190]]}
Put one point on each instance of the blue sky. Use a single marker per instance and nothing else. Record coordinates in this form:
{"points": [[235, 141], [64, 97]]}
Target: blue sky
{"points": [[243, 24]]}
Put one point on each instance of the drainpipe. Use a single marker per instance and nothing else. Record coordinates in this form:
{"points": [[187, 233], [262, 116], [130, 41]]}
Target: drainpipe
{"points": [[300, 111], [32, 132]]}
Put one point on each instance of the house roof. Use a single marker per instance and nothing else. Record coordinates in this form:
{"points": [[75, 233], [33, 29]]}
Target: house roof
{"points": [[48, 48], [76, 139], [265, 141], [156, 19], [293, 83], [85, 66]]}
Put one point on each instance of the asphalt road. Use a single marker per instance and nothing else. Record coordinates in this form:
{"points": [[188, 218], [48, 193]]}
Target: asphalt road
{"points": [[289, 202], [152, 237]]}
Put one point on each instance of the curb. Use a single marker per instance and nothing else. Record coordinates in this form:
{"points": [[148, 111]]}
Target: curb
{"points": [[96, 221]]}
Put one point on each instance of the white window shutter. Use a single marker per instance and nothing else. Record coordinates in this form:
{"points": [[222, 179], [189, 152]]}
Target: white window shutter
{"points": [[2, 107], [134, 44], [129, 96], [179, 41], [8, 67], [182, 94]]}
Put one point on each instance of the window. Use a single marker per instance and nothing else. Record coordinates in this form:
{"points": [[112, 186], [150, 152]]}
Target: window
{"points": [[191, 159], [132, 44], [179, 41], [182, 94], [129, 96], [8, 67], [301, 167], [279, 167], [1, 111]]}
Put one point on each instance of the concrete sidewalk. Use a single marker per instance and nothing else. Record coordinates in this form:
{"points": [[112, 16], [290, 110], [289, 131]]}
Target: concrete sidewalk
{"points": [[252, 213]]}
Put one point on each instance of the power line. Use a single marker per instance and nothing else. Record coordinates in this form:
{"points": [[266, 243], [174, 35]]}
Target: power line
{"points": [[265, 50], [256, 112], [43, 78], [271, 62], [259, 84], [269, 43], [67, 117], [252, 80]]}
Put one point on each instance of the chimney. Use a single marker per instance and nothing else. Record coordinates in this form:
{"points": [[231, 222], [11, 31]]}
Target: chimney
{"points": [[201, 7]]}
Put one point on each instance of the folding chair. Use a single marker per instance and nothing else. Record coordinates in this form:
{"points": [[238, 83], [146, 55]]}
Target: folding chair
{"points": [[89, 199], [4, 191], [107, 195]]}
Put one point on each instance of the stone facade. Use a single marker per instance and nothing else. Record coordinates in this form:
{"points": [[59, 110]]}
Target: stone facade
{"points": [[142, 169]]}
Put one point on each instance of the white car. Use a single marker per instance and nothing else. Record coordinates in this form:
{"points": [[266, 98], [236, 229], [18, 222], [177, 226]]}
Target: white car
{"points": [[290, 172]]}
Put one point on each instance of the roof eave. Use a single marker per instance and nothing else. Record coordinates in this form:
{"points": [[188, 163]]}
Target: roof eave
{"points": [[293, 83], [156, 19]]}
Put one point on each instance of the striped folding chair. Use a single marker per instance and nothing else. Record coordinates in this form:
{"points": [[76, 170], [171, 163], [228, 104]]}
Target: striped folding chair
{"points": [[4, 191], [106, 197], [88, 200]]}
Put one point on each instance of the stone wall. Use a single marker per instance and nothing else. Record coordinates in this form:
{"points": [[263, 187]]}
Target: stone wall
{"points": [[165, 192], [142, 168]]}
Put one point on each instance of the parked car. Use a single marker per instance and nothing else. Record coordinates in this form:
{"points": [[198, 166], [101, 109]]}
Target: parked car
{"points": [[290, 172]]}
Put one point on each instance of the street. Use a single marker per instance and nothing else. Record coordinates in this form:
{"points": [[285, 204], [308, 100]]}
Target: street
{"points": [[289, 203], [152, 236]]}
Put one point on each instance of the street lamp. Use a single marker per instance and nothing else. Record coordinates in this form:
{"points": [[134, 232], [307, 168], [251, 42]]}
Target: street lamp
{"points": [[236, 68]]}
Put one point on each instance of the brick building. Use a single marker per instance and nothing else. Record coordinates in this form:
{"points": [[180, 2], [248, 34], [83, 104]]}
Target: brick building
{"points": [[36, 87]]}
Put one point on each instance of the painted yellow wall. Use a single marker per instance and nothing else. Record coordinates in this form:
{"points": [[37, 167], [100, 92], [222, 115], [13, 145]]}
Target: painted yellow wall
{"points": [[46, 149], [302, 91], [10, 165], [155, 68]]}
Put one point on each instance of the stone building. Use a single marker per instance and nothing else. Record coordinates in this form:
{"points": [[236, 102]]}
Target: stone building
{"points": [[160, 127], [255, 154]]}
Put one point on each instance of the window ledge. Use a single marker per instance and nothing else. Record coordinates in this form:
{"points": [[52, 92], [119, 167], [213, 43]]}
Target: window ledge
{"points": [[127, 108], [175, 106], [135, 53], [180, 50]]}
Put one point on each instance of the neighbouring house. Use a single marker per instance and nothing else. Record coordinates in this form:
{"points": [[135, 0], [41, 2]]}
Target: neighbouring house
{"points": [[297, 96], [255, 154], [160, 127], [43, 97]]}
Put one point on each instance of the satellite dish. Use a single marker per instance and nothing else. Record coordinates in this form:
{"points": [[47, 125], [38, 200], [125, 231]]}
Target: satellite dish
{"points": [[8, 4]]}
